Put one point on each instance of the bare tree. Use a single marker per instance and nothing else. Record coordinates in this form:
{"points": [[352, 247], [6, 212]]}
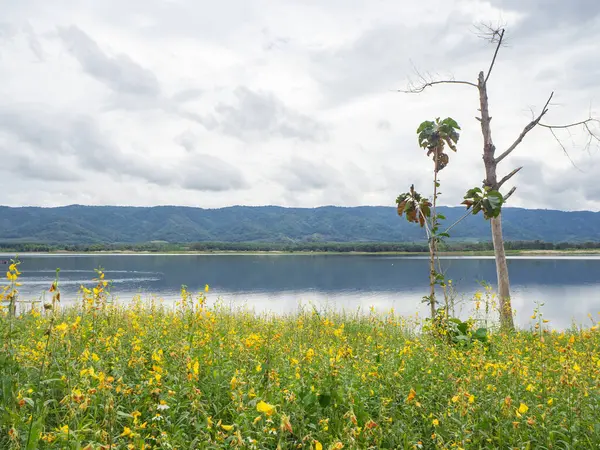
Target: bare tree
{"points": [[491, 160]]}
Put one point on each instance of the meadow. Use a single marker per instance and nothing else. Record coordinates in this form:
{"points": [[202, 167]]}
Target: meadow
{"points": [[197, 375]]}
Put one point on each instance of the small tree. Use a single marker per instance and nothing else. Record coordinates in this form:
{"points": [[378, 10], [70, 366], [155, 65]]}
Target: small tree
{"points": [[490, 160], [434, 136]]}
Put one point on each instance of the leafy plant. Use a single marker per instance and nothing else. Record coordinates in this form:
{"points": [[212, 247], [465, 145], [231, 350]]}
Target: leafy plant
{"points": [[435, 135], [416, 207], [487, 200], [457, 331]]}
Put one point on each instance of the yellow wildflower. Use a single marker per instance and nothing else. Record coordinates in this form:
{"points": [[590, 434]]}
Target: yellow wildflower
{"points": [[265, 408]]}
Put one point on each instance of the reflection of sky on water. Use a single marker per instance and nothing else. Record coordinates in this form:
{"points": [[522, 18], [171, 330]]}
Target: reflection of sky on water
{"points": [[569, 286]]}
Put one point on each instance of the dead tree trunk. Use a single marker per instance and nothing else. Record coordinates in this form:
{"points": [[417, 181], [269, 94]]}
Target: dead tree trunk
{"points": [[491, 180]]}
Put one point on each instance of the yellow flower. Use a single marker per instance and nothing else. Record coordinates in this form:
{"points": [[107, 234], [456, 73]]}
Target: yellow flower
{"points": [[529, 388], [227, 427], [435, 422], [62, 327], [65, 429], [576, 368], [126, 431], [523, 408], [265, 408], [471, 398], [318, 445], [206, 288], [550, 401]]}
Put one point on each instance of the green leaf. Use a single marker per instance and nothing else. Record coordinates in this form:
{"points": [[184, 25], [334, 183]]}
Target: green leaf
{"points": [[480, 334], [425, 125], [324, 400], [35, 432]]}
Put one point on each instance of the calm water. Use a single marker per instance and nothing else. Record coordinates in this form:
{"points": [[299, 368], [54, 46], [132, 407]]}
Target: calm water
{"points": [[569, 286]]}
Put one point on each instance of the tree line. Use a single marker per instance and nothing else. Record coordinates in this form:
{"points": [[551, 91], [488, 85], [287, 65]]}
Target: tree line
{"points": [[333, 247]]}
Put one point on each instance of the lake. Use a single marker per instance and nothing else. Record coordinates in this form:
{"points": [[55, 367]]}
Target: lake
{"points": [[568, 285]]}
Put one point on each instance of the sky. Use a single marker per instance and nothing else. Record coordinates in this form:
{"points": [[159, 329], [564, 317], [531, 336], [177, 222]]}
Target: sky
{"points": [[287, 102]]}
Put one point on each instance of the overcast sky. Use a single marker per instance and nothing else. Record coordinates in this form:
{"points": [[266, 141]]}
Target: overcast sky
{"points": [[285, 102]]}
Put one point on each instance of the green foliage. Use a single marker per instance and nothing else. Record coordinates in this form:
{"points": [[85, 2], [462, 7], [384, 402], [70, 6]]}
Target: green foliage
{"points": [[434, 136], [487, 200], [200, 375], [456, 331]]}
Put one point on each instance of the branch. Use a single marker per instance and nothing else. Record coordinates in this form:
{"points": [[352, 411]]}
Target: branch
{"points": [[422, 87], [459, 220], [530, 126], [564, 149], [427, 230], [511, 192], [508, 177], [593, 136], [428, 81], [500, 37]]}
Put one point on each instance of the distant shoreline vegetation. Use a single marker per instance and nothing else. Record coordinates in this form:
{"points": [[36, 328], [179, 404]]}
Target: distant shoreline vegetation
{"points": [[300, 247]]}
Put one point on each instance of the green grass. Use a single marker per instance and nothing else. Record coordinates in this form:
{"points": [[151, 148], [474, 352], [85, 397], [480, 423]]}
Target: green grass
{"points": [[147, 375]]}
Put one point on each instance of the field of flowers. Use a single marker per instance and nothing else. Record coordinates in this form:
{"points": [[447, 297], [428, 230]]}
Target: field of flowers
{"points": [[188, 376]]}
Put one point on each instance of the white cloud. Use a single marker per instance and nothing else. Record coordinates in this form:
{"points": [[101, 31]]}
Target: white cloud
{"points": [[292, 103]]}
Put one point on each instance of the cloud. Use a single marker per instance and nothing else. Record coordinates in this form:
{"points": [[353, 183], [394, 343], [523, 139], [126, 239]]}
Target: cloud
{"points": [[300, 174], [551, 15], [119, 72], [259, 114], [210, 173], [58, 147], [213, 104]]}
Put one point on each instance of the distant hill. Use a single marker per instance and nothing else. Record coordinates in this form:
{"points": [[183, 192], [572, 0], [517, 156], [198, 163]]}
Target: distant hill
{"points": [[114, 224]]}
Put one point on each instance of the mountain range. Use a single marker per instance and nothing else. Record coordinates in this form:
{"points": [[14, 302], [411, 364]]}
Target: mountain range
{"points": [[78, 224]]}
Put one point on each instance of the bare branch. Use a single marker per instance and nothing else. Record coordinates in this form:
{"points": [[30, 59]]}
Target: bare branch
{"points": [[426, 81], [585, 122], [530, 126], [564, 149], [459, 220], [421, 88], [508, 177], [592, 135], [490, 31], [511, 192], [499, 38]]}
